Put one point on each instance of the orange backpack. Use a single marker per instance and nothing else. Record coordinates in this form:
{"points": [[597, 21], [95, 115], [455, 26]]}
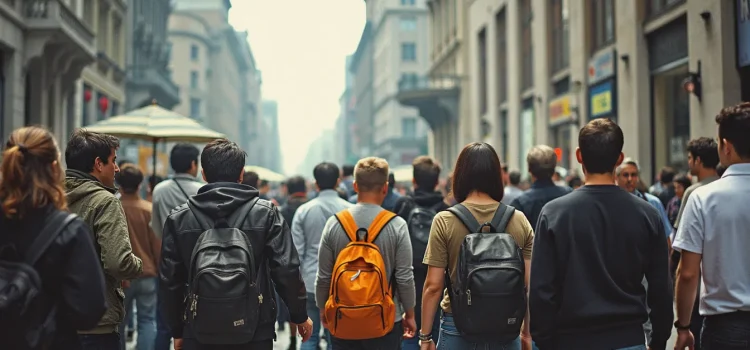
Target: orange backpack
{"points": [[360, 301]]}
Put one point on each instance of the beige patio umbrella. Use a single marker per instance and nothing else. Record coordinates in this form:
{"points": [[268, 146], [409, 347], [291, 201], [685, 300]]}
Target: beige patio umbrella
{"points": [[156, 124]]}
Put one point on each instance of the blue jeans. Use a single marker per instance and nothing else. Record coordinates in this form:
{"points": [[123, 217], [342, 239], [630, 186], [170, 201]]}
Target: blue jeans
{"points": [[413, 343], [450, 339], [109, 341], [726, 332], [143, 292], [163, 334], [314, 313]]}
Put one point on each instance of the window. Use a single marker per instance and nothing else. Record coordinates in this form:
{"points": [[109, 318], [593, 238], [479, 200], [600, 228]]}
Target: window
{"points": [[559, 34], [657, 7], [194, 52], [408, 52], [603, 22], [195, 108], [482, 44], [409, 127], [408, 23], [527, 51], [194, 79], [408, 2], [504, 135], [502, 57]]}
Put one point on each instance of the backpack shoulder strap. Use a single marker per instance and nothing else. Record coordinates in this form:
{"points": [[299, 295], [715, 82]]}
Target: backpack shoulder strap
{"points": [[466, 217], [382, 219], [181, 189], [502, 217], [49, 233], [346, 220]]}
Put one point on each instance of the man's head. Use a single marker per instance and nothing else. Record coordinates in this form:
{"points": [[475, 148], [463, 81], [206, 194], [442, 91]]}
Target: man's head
{"points": [[542, 161], [251, 179], [263, 186], [129, 179], [347, 170], [734, 128], [296, 185], [93, 153], [426, 173], [702, 154], [184, 159], [223, 161], [326, 176], [371, 178], [600, 146], [514, 178], [506, 175], [628, 175], [666, 175]]}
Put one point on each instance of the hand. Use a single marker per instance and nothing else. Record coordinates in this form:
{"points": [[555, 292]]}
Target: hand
{"points": [[177, 344], [323, 320], [305, 329], [685, 339], [410, 326], [427, 345], [525, 341]]}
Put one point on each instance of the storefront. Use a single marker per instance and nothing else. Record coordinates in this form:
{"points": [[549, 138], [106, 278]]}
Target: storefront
{"points": [[527, 131], [670, 117], [602, 94], [561, 121], [742, 15]]}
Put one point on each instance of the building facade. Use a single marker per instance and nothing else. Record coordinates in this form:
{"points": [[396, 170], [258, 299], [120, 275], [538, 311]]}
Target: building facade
{"points": [[255, 133], [345, 122], [538, 70], [361, 67], [44, 46], [271, 150]]}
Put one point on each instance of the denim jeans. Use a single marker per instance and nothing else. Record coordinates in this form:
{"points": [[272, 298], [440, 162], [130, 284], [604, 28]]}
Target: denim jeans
{"points": [[163, 334], [390, 341], [143, 292], [726, 332], [413, 343], [314, 313], [450, 339], [109, 341]]}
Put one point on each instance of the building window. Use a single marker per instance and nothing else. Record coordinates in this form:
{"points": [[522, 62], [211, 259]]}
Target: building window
{"points": [[502, 57], [559, 34], [657, 7], [408, 23], [194, 79], [409, 52], [527, 51], [409, 127], [603, 21], [408, 2], [194, 52], [195, 108], [504, 135], [561, 87], [482, 45]]}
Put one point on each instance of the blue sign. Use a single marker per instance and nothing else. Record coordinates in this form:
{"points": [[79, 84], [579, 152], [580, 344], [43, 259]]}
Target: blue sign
{"points": [[602, 100], [743, 33]]}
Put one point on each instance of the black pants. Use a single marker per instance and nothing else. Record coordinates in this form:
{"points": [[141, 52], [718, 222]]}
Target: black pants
{"points": [[192, 344], [110, 341], [391, 341], [726, 332]]}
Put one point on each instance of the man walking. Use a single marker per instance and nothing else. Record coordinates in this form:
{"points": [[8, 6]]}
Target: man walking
{"points": [[542, 161], [90, 187]]}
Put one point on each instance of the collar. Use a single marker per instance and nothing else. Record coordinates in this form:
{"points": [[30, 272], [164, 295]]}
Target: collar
{"points": [[211, 186], [76, 174], [739, 169], [328, 193], [543, 183]]}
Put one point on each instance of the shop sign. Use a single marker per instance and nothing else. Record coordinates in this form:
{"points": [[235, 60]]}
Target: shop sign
{"points": [[743, 33], [601, 100], [602, 66], [527, 135], [559, 110]]}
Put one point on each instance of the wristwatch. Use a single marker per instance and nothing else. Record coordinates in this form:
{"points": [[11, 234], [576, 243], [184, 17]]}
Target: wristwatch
{"points": [[425, 337], [680, 327]]}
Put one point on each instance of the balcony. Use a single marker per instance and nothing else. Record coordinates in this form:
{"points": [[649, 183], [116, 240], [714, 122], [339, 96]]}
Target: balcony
{"points": [[54, 28], [148, 83], [436, 98]]}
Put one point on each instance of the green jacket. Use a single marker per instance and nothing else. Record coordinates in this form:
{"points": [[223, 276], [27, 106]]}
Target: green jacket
{"points": [[97, 205]]}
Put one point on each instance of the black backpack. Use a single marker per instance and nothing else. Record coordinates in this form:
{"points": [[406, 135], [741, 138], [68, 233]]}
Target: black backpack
{"points": [[419, 222], [224, 295], [28, 317], [488, 300]]}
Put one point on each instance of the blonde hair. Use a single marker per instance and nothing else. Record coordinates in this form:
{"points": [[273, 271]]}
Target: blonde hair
{"points": [[29, 177], [371, 174]]}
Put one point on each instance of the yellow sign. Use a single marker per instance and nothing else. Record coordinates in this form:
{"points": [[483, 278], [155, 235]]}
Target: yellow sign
{"points": [[145, 161], [559, 110], [601, 103]]}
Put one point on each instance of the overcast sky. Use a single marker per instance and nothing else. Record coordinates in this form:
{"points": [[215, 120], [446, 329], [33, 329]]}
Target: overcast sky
{"points": [[301, 48]]}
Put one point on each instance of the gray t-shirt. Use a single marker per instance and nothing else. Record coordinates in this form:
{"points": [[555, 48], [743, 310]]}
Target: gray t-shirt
{"points": [[394, 245]]}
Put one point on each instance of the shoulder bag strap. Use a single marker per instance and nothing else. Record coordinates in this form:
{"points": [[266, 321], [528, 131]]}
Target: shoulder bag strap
{"points": [[346, 220], [49, 233], [181, 189], [466, 217], [382, 219], [502, 217]]}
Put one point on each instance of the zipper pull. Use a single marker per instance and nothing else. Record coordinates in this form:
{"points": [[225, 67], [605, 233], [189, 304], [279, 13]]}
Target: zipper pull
{"points": [[468, 296], [260, 298], [195, 306]]}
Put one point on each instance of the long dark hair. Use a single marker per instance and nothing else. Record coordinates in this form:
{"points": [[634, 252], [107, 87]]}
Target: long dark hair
{"points": [[478, 169]]}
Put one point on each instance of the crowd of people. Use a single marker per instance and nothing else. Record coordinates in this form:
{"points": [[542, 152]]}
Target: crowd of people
{"points": [[216, 259]]}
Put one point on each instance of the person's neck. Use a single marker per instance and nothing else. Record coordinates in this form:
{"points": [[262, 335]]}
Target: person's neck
{"points": [[125, 195], [479, 198], [599, 179], [705, 173], [370, 198]]}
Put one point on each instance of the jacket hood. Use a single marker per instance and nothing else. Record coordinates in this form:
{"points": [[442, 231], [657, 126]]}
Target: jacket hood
{"points": [[427, 199], [79, 185], [222, 199]]}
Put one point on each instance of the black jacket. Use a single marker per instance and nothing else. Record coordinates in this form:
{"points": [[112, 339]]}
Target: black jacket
{"points": [[269, 235], [70, 271]]}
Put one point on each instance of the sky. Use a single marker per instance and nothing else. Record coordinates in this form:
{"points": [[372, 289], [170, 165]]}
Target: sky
{"points": [[301, 47]]}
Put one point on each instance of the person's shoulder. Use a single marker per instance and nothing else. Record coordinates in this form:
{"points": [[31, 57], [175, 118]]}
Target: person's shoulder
{"points": [[178, 212]]}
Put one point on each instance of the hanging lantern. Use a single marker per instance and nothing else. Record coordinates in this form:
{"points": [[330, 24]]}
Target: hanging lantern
{"points": [[87, 95], [103, 104]]}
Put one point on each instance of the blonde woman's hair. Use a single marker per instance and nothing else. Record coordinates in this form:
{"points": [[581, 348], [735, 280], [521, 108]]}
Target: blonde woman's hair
{"points": [[371, 174]]}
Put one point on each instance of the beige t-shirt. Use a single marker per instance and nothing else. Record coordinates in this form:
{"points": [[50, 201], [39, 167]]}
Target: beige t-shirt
{"points": [[447, 233]]}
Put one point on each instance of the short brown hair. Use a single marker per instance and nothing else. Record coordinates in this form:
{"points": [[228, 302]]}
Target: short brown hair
{"points": [[371, 174], [426, 172], [129, 178], [734, 126], [542, 161], [478, 169], [600, 142]]}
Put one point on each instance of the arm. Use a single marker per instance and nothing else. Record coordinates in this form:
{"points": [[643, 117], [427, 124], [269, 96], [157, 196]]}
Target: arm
{"points": [[527, 249], [659, 291], [173, 277], [404, 272], [689, 241], [284, 264], [544, 284], [326, 259], [111, 229], [298, 233], [82, 287], [436, 258]]}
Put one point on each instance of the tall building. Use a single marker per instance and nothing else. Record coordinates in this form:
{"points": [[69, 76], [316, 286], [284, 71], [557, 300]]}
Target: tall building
{"points": [[271, 151], [210, 65], [44, 47], [148, 56], [346, 123], [252, 124], [538, 79], [361, 67], [320, 150]]}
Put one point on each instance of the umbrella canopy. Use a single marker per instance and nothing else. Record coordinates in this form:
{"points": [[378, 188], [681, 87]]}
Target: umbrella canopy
{"points": [[155, 123], [403, 173], [266, 174]]}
